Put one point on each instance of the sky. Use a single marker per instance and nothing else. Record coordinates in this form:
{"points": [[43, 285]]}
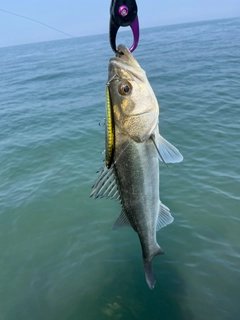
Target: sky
{"points": [[82, 18]]}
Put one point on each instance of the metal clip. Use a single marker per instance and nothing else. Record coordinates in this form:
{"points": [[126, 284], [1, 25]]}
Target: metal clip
{"points": [[123, 13]]}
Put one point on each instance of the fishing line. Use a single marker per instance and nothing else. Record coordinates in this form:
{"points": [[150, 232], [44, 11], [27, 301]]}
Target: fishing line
{"points": [[122, 152], [34, 20]]}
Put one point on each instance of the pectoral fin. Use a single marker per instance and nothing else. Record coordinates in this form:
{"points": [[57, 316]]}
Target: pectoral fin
{"points": [[164, 217], [166, 151]]}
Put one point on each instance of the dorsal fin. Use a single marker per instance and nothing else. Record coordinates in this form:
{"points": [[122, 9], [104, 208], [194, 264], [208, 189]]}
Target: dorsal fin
{"points": [[106, 185]]}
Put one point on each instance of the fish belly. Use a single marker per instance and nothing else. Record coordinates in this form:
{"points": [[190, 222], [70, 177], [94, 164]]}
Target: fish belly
{"points": [[137, 172]]}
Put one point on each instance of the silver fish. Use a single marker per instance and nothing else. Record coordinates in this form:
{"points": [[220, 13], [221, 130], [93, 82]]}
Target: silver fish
{"points": [[133, 150]]}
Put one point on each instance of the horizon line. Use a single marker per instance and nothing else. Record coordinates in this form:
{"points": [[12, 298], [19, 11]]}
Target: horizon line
{"points": [[122, 30]]}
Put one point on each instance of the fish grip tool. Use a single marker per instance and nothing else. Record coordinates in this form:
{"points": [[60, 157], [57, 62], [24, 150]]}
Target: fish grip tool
{"points": [[123, 13]]}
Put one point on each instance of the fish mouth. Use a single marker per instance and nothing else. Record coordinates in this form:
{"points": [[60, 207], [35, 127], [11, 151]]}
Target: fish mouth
{"points": [[124, 60], [124, 56]]}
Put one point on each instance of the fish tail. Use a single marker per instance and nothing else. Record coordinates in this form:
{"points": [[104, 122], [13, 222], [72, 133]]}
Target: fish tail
{"points": [[149, 273]]}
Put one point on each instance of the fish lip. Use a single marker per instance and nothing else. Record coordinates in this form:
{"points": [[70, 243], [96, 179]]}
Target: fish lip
{"points": [[125, 57], [128, 63], [123, 61], [124, 53]]}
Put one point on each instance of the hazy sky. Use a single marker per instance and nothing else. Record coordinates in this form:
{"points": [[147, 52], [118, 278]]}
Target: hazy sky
{"points": [[79, 18]]}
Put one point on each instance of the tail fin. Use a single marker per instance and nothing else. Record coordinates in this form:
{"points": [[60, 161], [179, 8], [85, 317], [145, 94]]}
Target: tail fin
{"points": [[149, 273]]}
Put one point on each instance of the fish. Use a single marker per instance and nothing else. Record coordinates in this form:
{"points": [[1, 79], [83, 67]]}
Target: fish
{"points": [[133, 149]]}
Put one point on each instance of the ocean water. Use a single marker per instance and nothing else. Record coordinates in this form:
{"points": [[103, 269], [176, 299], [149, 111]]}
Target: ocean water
{"points": [[59, 258]]}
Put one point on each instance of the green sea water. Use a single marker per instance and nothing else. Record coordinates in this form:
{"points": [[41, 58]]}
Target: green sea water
{"points": [[59, 257]]}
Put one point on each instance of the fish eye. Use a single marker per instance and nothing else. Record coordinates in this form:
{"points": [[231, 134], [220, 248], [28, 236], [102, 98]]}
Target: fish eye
{"points": [[125, 88]]}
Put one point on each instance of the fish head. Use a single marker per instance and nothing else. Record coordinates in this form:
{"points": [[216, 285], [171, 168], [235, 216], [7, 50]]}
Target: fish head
{"points": [[135, 107]]}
